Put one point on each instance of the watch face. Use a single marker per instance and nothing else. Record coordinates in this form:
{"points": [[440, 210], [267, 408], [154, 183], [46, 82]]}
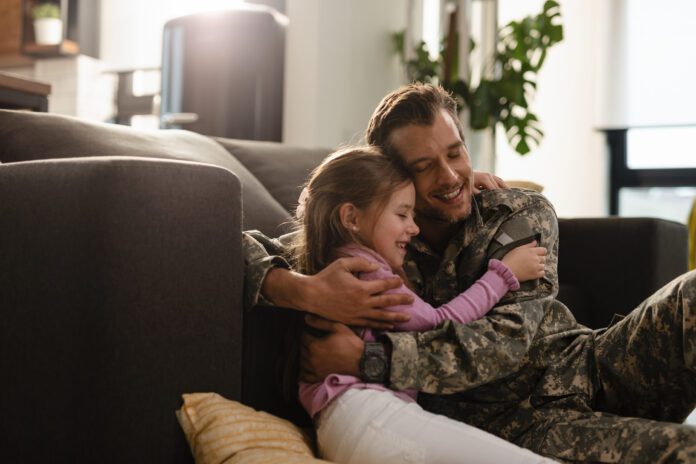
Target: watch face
{"points": [[374, 366]]}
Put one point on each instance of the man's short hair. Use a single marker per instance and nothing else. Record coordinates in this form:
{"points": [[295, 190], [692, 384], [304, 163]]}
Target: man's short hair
{"points": [[415, 103]]}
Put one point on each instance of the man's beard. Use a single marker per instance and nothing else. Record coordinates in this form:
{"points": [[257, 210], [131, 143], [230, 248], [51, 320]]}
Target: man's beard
{"points": [[436, 215]]}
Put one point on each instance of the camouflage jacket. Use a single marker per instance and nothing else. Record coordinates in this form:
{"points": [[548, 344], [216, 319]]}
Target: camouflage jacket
{"points": [[528, 348]]}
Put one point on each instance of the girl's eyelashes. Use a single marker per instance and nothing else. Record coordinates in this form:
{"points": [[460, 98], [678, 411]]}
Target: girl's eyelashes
{"points": [[411, 215]]}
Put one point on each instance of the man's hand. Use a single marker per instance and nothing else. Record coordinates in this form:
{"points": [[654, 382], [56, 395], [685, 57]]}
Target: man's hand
{"points": [[336, 294], [338, 352], [487, 181]]}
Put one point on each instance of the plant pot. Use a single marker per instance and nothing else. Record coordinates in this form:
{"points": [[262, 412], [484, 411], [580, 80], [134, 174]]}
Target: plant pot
{"points": [[48, 31]]}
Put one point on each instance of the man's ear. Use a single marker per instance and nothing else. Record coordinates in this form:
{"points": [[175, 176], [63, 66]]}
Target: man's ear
{"points": [[348, 213]]}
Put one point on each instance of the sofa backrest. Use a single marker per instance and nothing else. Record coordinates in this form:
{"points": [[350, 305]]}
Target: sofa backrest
{"points": [[282, 169], [26, 136], [631, 258]]}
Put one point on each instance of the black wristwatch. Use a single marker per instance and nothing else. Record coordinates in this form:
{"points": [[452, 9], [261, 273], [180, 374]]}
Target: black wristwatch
{"points": [[374, 363]]}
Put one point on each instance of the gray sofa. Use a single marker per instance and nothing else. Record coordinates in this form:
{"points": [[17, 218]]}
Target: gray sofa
{"points": [[121, 281]]}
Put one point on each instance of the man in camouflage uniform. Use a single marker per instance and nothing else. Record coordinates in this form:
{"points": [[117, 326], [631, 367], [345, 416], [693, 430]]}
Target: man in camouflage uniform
{"points": [[527, 372]]}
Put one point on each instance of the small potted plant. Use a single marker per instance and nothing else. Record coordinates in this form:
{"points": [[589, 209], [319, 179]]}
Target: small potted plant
{"points": [[48, 28]]}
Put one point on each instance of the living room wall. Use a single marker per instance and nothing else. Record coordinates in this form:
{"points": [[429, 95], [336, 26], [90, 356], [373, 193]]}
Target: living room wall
{"points": [[339, 64], [571, 161]]}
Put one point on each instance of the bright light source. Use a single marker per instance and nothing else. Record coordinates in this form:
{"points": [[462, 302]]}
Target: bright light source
{"points": [[146, 82], [661, 147], [185, 7], [431, 27]]}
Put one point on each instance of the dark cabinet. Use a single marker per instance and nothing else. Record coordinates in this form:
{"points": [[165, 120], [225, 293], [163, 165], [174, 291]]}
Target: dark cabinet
{"points": [[222, 73]]}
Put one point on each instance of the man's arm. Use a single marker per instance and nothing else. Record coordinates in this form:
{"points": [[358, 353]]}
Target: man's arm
{"points": [[334, 293], [456, 357], [260, 257]]}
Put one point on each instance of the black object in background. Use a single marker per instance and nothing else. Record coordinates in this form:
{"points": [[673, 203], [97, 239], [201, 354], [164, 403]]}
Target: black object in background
{"points": [[222, 73]]}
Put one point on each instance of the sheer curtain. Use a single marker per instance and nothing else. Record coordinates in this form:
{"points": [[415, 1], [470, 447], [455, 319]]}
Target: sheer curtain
{"points": [[650, 92], [649, 63]]}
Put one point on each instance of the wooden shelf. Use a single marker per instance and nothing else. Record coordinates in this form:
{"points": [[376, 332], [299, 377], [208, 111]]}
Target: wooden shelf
{"points": [[23, 84], [65, 48]]}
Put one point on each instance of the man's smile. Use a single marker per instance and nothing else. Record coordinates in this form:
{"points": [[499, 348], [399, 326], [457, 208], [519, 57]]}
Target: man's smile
{"points": [[451, 196]]}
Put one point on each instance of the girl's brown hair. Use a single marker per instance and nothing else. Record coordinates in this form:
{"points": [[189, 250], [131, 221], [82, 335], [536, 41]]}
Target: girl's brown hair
{"points": [[358, 175]]}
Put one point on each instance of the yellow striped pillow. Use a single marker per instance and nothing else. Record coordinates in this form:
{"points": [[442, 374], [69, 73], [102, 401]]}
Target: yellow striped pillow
{"points": [[224, 431]]}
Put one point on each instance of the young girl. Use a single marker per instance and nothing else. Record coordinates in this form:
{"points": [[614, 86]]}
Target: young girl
{"points": [[358, 203]]}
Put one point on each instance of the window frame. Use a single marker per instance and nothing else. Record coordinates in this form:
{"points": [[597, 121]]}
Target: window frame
{"points": [[620, 175]]}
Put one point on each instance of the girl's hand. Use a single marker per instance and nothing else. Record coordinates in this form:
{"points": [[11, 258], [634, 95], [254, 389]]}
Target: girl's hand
{"points": [[487, 181], [527, 262]]}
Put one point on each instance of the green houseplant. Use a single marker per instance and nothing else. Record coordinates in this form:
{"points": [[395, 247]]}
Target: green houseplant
{"points": [[46, 10], [48, 27], [504, 98]]}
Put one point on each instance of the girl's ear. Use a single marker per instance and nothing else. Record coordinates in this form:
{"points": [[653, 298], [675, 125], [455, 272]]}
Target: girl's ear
{"points": [[348, 213]]}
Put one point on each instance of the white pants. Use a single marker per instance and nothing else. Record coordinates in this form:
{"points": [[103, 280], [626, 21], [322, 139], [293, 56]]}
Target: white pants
{"points": [[371, 426]]}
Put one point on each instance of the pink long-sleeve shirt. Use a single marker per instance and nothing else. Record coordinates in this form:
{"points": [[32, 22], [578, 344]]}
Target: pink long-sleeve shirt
{"points": [[468, 306]]}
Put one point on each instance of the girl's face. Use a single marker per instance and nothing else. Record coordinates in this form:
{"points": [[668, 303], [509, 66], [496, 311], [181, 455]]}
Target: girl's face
{"points": [[387, 231]]}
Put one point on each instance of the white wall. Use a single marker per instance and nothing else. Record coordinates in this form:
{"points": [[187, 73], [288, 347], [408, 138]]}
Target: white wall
{"points": [[339, 64], [571, 162]]}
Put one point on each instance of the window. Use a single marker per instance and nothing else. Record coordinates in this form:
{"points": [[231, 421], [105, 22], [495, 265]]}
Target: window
{"points": [[653, 171]]}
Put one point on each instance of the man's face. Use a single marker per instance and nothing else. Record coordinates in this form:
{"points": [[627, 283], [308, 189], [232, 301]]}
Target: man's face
{"points": [[440, 166]]}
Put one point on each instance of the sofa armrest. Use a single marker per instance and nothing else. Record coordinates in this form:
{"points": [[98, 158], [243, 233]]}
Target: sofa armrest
{"points": [[120, 289], [610, 265]]}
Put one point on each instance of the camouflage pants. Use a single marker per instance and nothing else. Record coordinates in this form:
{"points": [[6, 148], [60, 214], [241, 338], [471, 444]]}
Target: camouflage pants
{"points": [[644, 370], [572, 436]]}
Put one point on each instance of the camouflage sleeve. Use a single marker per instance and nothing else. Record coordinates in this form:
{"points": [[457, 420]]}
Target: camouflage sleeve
{"points": [[457, 357], [261, 254]]}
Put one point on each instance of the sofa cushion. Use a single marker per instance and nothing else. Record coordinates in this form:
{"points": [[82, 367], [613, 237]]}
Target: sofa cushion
{"points": [[269, 161], [32, 136], [223, 431]]}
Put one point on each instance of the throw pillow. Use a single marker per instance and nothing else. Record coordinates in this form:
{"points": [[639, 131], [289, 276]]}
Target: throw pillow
{"points": [[224, 431]]}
